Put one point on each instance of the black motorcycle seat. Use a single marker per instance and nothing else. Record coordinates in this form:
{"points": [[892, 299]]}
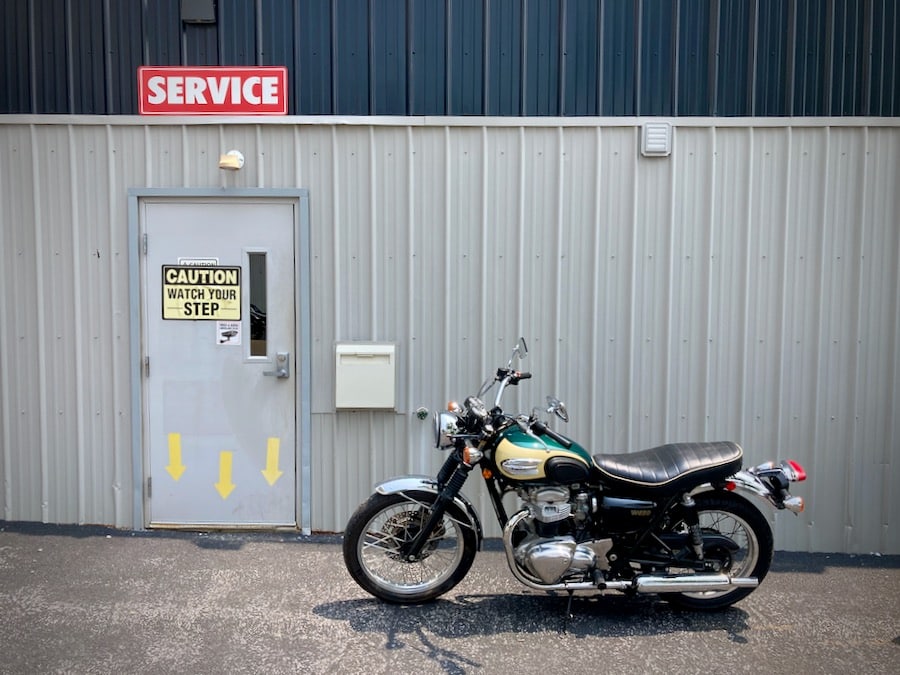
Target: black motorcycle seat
{"points": [[673, 467]]}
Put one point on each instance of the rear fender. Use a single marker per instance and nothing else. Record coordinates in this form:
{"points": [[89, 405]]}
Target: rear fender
{"points": [[748, 484], [403, 485]]}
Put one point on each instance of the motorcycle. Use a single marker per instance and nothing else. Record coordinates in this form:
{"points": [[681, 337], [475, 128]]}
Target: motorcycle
{"points": [[678, 520]]}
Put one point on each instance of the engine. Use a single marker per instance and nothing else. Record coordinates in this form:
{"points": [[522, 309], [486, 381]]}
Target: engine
{"points": [[548, 551]]}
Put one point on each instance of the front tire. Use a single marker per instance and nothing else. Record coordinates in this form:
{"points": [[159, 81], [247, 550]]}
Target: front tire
{"points": [[383, 523], [737, 519]]}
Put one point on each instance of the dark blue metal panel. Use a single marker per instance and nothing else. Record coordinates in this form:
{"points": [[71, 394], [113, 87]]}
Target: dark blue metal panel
{"points": [[125, 55], [88, 69], [465, 38], [472, 57], [388, 71], [314, 77], [733, 72], [237, 32], [351, 57], [162, 32], [278, 26], [277, 33], [618, 40], [15, 83], [885, 80], [51, 81], [504, 58], [580, 58], [657, 51], [427, 58], [541, 74], [847, 62], [694, 56], [772, 59], [810, 58], [201, 44]]}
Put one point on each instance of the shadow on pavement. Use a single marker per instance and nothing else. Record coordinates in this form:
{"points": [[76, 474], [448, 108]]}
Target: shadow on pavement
{"points": [[467, 616]]}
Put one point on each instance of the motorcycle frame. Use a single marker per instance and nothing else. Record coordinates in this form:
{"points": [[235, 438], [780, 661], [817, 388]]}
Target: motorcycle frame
{"points": [[496, 489]]}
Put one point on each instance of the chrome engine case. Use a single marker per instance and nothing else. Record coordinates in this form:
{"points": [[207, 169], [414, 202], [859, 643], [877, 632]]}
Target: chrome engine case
{"points": [[544, 554]]}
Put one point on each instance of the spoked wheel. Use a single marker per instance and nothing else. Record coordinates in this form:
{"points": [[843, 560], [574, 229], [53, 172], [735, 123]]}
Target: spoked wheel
{"points": [[736, 519], [378, 530]]}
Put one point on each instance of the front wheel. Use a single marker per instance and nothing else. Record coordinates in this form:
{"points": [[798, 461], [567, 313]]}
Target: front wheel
{"points": [[738, 520], [379, 528]]}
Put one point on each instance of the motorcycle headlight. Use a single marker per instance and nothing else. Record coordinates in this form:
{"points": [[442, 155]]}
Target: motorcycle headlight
{"points": [[446, 425]]}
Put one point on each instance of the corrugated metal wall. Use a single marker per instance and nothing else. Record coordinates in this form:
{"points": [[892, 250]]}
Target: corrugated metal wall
{"points": [[744, 288], [472, 57]]}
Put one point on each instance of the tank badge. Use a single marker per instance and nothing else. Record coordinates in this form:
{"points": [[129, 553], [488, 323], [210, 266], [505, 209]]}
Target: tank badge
{"points": [[521, 467]]}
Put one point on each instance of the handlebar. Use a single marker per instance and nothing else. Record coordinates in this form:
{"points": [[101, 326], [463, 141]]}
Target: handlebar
{"points": [[542, 429]]}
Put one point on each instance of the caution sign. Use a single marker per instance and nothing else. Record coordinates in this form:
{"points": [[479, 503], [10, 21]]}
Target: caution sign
{"points": [[201, 293]]}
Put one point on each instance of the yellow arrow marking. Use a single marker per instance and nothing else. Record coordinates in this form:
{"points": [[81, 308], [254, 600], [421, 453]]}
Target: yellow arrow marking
{"points": [[175, 467], [271, 472], [225, 486]]}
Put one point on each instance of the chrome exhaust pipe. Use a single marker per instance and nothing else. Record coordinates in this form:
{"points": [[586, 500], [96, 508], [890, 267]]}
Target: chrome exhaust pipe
{"points": [[691, 583]]}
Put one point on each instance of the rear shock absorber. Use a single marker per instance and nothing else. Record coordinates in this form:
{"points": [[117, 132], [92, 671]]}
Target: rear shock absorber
{"points": [[693, 523]]}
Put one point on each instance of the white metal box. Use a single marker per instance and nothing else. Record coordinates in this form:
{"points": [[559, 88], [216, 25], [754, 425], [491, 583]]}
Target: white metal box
{"points": [[365, 375]]}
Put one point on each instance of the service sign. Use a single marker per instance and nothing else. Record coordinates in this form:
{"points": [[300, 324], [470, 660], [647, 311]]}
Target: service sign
{"points": [[192, 293], [177, 90]]}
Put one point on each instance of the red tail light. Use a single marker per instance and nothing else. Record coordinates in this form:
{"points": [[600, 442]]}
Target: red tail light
{"points": [[799, 472]]}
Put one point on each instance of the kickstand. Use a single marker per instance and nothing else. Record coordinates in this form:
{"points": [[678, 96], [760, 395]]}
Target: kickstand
{"points": [[569, 615]]}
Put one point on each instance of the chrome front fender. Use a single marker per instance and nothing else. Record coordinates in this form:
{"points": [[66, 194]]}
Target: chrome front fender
{"points": [[402, 485]]}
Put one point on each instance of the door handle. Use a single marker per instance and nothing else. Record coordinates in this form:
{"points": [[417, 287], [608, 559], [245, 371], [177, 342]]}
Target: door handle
{"points": [[282, 366]]}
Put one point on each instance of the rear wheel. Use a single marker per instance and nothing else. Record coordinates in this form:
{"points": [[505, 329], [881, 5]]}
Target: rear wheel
{"points": [[379, 528], [735, 518]]}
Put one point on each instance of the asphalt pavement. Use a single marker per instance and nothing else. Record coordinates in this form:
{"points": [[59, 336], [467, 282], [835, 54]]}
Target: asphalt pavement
{"points": [[94, 600]]}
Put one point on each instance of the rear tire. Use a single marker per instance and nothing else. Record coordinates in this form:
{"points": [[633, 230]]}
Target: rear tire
{"points": [[382, 524], [736, 518]]}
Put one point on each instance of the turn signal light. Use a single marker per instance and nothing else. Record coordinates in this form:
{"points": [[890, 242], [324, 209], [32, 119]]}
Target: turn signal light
{"points": [[471, 455], [453, 406], [794, 504]]}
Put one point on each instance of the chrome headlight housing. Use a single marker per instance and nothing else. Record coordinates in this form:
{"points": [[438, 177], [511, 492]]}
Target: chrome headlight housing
{"points": [[446, 426]]}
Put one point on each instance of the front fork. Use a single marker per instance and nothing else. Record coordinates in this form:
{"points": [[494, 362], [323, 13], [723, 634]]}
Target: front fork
{"points": [[450, 480]]}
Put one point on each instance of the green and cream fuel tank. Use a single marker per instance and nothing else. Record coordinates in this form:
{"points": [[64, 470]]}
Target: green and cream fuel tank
{"points": [[523, 457]]}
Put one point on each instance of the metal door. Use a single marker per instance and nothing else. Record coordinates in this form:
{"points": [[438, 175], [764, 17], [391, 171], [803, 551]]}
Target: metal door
{"points": [[219, 368]]}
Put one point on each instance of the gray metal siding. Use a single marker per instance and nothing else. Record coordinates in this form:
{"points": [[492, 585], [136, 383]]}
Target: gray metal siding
{"points": [[745, 288]]}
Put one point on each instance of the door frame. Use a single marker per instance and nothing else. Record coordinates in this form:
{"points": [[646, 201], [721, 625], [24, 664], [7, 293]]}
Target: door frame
{"points": [[302, 331]]}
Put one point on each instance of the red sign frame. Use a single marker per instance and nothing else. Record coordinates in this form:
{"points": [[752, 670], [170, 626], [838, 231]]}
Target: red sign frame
{"points": [[220, 90]]}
